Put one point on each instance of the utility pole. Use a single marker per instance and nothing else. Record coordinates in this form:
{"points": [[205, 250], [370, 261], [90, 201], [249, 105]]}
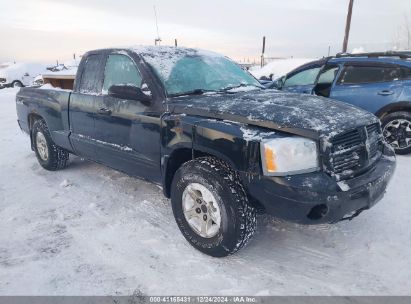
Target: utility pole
{"points": [[347, 26], [157, 41], [262, 53]]}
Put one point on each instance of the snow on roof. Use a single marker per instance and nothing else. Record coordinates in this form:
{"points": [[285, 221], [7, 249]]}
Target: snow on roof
{"points": [[163, 58], [18, 69], [68, 72], [5, 64]]}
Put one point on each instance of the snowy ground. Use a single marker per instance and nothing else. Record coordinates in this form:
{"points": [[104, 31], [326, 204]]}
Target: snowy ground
{"points": [[91, 230]]}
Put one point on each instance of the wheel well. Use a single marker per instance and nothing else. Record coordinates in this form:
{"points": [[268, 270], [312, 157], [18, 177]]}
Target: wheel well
{"points": [[31, 119], [175, 161], [399, 108], [183, 155]]}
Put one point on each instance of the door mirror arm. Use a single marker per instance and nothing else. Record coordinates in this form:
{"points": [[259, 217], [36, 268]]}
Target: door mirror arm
{"points": [[124, 91]]}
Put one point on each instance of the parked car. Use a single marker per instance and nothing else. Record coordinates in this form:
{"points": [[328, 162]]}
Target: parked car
{"points": [[377, 82], [20, 74], [220, 145]]}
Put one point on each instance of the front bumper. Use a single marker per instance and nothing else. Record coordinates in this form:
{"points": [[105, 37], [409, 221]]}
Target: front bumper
{"points": [[315, 198], [4, 85]]}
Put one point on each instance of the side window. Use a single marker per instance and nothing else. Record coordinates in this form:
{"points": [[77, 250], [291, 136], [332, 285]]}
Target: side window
{"points": [[90, 82], [361, 74], [406, 73], [120, 69], [305, 77], [328, 74], [392, 73], [325, 80]]}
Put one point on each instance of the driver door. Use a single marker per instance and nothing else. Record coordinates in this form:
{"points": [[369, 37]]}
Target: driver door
{"points": [[126, 131]]}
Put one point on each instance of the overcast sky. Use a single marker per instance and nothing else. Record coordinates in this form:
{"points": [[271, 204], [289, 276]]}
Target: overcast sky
{"points": [[47, 30]]}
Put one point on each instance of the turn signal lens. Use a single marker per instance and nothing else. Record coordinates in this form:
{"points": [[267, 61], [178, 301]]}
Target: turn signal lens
{"points": [[270, 159], [289, 155]]}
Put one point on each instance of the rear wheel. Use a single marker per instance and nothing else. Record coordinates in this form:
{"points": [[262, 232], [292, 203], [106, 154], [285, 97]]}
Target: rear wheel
{"points": [[50, 156], [397, 131], [17, 84], [211, 207]]}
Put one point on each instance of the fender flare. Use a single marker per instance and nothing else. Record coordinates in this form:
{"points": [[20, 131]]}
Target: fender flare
{"points": [[394, 107]]}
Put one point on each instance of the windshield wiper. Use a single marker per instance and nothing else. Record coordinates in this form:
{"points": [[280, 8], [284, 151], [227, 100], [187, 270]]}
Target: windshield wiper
{"points": [[241, 85], [193, 92]]}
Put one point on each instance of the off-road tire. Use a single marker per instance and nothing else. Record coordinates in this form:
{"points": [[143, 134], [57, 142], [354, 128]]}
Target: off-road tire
{"points": [[57, 157], [392, 117], [238, 216]]}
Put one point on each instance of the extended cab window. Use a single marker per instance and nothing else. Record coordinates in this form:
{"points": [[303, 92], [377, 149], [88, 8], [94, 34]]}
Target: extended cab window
{"points": [[120, 69], [306, 77], [90, 81], [369, 74]]}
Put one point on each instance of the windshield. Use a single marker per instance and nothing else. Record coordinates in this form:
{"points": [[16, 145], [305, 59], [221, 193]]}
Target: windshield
{"points": [[196, 72]]}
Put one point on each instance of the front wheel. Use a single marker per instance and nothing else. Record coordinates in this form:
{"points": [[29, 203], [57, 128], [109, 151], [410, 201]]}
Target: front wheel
{"points": [[211, 207], [397, 131], [49, 156]]}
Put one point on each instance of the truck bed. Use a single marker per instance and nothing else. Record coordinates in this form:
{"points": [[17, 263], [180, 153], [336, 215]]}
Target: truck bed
{"points": [[52, 105]]}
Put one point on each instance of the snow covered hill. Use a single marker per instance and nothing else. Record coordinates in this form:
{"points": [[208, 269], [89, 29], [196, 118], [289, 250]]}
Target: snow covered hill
{"points": [[89, 230]]}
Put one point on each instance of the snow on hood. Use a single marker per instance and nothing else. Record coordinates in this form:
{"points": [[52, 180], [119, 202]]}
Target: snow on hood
{"points": [[294, 113]]}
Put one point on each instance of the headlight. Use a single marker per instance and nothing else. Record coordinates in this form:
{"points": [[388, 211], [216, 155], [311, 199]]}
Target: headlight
{"points": [[289, 155]]}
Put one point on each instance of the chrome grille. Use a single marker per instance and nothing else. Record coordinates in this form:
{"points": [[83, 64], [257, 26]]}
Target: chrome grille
{"points": [[346, 150], [374, 140], [354, 150]]}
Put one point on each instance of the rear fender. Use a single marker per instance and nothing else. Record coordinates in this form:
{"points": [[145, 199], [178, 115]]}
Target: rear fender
{"points": [[52, 107], [394, 107]]}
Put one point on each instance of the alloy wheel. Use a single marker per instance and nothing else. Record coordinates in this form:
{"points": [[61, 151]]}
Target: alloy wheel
{"points": [[398, 133], [41, 145], [201, 210]]}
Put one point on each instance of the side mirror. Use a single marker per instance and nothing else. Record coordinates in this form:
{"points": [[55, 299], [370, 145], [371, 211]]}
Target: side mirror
{"points": [[130, 92], [26, 74]]}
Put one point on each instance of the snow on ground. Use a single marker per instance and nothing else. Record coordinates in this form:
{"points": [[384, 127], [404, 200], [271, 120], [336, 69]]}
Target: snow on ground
{"points": [[278, 67], [89, 230]]}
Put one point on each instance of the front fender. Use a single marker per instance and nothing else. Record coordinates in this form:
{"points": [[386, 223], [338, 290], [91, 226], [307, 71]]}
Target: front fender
{"points": [[225, 140]]}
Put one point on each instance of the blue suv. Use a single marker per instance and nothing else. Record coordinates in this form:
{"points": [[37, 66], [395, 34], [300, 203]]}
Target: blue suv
{"points": [[377, 82]]}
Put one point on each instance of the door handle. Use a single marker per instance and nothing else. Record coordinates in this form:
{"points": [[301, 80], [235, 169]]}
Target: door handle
{"points": [[385, 92], [104, 111]]}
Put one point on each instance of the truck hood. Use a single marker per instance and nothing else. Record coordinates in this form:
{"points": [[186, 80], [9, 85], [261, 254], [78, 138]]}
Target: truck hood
{"points": [[305, 115]]}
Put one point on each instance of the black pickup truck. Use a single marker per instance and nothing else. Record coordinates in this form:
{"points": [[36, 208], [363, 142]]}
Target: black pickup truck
{"points": [[221, 146]]}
